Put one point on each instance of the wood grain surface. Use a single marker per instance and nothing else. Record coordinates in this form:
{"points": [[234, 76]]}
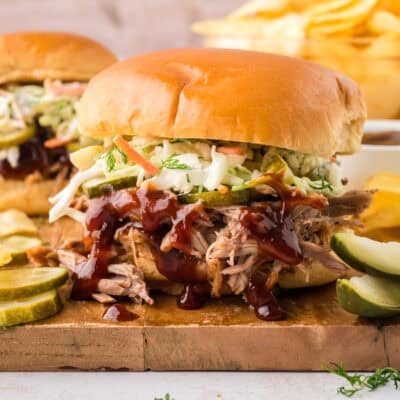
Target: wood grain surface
{"points": [[224, 335]]}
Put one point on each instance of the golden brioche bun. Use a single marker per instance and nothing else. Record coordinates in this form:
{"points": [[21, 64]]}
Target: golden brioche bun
{"points": [[229, 95], [35, 56]]}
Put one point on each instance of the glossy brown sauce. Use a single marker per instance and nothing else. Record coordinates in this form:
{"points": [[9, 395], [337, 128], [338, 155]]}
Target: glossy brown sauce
{"points": [[386, 138], [160, 213], [119, 312], [35, 157], [263, 301]]}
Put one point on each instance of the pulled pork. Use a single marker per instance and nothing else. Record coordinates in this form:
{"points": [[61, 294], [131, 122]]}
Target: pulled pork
{"points": [[219, 240]]}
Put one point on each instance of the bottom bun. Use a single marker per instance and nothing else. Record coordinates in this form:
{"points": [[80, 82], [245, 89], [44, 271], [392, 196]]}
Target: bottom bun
{"points": [[31, 198], [317, 275]]}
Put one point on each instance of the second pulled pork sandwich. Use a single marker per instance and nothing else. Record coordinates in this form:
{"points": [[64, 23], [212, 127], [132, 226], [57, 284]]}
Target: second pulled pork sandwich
{"points": [[42, 77], [217, 175]]}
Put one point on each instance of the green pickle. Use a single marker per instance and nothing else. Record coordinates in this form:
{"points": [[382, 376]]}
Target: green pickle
{"points": [[17, 245], [215, 199], [98, 187], [369, 296], [29, 309], [20, 282], [15, 138]]}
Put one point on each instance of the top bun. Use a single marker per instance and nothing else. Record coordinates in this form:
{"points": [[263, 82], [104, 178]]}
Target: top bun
{"points": [[231, 95], [35, 56]]}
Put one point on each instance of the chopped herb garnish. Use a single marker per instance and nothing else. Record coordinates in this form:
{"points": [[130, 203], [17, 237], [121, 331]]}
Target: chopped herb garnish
{"points": [[109, 156], [187, 178], [322, 184], [166, 397], [360, 382], [173, 163]]}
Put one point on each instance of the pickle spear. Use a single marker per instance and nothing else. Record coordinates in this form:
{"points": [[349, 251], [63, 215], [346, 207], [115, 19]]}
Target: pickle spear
{"points": [[367, 255], [369, 296], [14, 138], [20, 282], [29, 309], [215, 199]]}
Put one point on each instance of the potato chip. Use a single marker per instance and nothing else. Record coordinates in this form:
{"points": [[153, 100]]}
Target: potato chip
{"points": [[5, 256], [384, 181], [383, 234], [15, 221], [339, 15], [262, 8], [383, 22], [391, 5], [384, 211], [291, 25]]}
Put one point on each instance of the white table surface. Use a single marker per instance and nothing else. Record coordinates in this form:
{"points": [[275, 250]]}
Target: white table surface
{"points": [[181, 386]]}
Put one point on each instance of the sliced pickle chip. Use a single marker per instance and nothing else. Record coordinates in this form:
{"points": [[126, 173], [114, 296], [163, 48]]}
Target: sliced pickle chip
{"points": [[215, 199], [16, 222], [20, 282], [17, 246], [29, 309], [98, 187], [14, 138], [369, 296]]}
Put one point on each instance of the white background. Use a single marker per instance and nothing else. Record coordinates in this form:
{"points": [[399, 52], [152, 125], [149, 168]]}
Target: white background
{"points": [[181, 386]]}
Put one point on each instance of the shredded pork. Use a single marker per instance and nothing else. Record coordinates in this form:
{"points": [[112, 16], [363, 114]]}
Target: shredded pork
{"points": [[230, 252]]}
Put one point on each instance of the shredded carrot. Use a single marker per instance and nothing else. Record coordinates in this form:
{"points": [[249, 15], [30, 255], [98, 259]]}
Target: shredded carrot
{"points": [[223, 189], [57, 142], [134, 156], [230, 150]]}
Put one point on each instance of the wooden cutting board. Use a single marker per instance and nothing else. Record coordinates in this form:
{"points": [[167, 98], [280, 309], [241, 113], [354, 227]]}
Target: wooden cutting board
{"points": [[224, 335]]}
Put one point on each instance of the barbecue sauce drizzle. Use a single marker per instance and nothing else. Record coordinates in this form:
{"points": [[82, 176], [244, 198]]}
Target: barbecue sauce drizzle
{"points": [[160, 213], [119, 312], [33, 156]]}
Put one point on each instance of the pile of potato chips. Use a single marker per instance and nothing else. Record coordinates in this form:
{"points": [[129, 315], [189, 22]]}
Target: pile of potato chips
{"points": [[382, 218], [358, 37]]}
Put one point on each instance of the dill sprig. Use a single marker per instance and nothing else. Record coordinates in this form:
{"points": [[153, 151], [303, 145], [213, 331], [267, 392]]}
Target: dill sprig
{"points": [[322, 184], [173, 163], [360, 382], [109, 156], [166, 397]]}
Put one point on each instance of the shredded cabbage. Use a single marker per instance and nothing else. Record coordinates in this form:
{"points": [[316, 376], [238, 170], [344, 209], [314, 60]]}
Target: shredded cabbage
{"points": [[190, 166], [21, 104]]}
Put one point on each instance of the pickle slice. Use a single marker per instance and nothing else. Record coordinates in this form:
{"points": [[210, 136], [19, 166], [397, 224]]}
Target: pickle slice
{"points": [[16, 222], [369, 296], [17, 282], [17, 246], [215, 199], [29, 309], [98, 187], [367, 255], [14, 138]]}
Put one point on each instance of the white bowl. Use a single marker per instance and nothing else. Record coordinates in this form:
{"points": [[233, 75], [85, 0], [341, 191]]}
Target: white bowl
{"points": [[371, 159]]}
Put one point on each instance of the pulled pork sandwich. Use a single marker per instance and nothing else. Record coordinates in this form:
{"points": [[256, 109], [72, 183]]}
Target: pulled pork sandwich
{"points": [[42, 76], [217, 175]]}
